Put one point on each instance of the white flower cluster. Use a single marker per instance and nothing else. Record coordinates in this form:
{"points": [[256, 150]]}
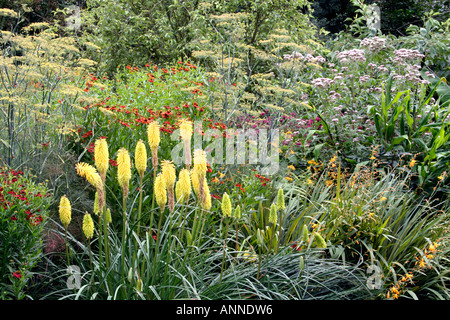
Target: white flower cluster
{"points": [[402, 55], [334, 96], [412, 73], [322, 82], [404, 59], [351, 55], [364, 78], [308, 57], [374, 44]]}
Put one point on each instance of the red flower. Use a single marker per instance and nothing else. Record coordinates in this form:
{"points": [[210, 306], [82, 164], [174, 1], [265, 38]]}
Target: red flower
{"points": [[17, 274], [124, 123], [113, 162], [91, 147], [87, 134]]}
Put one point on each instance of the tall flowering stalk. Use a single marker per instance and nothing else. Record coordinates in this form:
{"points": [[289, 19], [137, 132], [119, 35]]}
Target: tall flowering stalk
{"points": [[183, 186], [154, 138], [124, 170], [169, 176], [281, 206], [65, 215], [101, 155], [200, 167], [88, 230], [194, 181], [183, 189], [237, 215], [226, 205], [65, 211], [160, 192], [124, 176], [226, 212], [273, 215], [207, 203], [186, 130], [280, 200], [140, 159], [93, 177], [201, 188], [273, 219]]}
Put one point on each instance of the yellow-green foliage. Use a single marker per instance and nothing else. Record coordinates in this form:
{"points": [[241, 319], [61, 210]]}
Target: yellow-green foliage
{"points": [[41, 80]]}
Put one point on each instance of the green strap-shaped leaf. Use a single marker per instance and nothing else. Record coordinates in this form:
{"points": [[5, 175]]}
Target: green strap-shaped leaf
{"points": [[397, 140]]}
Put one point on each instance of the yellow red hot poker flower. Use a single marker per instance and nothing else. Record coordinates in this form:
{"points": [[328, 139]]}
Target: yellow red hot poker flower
{"points": [[160, 191], [90, 173], [207, 202], [273, 214], [65, 211], [93, 177], [183, 186], [123, 170], [154, 138], [101, 156], [280, 200], [169, 175], [88, 226], [226, 205], [200, 168], [140, 158]]}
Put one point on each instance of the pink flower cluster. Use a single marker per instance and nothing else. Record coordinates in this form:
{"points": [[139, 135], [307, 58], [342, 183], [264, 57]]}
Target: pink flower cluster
{"points": [[374, 44], [353, 55], [401, 55], [308, 57], [322, 82]]}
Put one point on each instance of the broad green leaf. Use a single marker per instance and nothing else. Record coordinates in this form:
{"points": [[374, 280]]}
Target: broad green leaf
{"points": [[397, 140]]}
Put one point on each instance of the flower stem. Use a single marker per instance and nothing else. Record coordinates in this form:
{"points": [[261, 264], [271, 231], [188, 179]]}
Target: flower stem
{"points": [[224, 247], [124, 221]]}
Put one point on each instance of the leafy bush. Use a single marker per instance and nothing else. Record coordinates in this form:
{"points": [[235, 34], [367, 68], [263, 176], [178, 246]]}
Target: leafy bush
{"points": [[24, 208], [131, 33], [368, 216]]}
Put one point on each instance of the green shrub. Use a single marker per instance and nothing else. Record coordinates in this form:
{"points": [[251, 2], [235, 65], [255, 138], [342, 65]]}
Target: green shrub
{"points": [[24, 208], [369, 216]]}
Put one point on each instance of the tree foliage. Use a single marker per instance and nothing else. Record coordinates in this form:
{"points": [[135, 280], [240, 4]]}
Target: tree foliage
{"points": [[134, 33]]}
